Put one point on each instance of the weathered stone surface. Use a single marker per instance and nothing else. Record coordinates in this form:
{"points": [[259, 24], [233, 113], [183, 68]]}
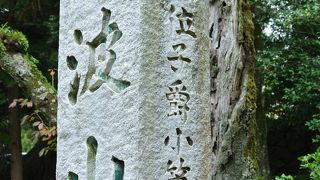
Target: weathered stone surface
{"points": [[134, 90]]}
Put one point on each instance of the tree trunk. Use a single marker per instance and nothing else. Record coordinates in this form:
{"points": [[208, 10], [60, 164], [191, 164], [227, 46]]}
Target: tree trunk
{"points": [[15, 137], [233, 91], [26, 74], [22, 69], [261, 118], [39, 168], [262, 129]]}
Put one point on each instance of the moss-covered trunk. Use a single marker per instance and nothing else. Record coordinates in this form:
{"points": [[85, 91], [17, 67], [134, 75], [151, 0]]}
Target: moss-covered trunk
{"points": [[28, 77], [233, 91]]}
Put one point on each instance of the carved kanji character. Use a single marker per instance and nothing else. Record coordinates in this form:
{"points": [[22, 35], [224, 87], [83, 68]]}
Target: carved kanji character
{"points": [[102, 73], [177, 56], [186, 23], [178, 98], [178, 170], [176, 146], [100, 65]]}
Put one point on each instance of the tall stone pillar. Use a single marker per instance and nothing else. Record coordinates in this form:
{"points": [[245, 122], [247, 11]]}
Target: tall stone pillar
{"points": [[134, 90]]}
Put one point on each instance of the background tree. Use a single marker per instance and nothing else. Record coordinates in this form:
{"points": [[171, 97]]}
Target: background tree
{"points": [[38, 19], [288, 57]]}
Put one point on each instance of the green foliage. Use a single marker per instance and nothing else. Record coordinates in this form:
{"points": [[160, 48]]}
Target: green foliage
{"points": [[2, 49], [312, 163], [314, 125], [284, 177], [289, 57], [291, 61], [27, 140], [30, 59], [38, 20], [12, 40]]}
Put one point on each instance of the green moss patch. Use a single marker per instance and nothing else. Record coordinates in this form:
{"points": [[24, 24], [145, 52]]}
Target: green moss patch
{"points": [[12, 40]]}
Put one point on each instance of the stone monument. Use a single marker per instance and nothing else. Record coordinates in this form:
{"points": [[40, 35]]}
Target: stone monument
{"points": [[134, 90]]}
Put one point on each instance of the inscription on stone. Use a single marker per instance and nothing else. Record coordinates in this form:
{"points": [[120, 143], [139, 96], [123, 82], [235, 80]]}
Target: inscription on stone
{"points": [[177, 167], [186, 23], [99, 65], [177, 57], [178, 96], [134, 90]]}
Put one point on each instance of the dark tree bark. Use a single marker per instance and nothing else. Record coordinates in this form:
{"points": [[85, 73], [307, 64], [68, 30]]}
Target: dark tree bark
{"points": [[262, 129], [34, 167], [15, 136], [261, 119], [39, 168]]}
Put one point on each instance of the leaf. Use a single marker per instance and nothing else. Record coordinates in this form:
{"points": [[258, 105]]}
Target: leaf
{"points": [[13, 104], [54, 133], [36, 123], [45, 138], [41, 153], [52, 73], [24, 103], [40, 126], [36, 135], [24, 119], [29, 104], [50, 142]]}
